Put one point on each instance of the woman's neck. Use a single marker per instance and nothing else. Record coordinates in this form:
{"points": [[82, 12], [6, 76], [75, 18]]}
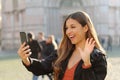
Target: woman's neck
{"points": [[80, 45]]}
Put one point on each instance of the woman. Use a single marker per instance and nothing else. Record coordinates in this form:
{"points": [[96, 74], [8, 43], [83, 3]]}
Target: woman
{"points": [[79, 56]]}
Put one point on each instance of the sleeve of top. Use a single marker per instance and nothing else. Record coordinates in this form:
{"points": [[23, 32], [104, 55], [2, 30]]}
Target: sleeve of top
{"points": [[41, 67], [98, 70]]}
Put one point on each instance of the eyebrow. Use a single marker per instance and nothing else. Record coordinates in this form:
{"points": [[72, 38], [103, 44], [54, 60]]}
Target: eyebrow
{"points": [[70, 25]]}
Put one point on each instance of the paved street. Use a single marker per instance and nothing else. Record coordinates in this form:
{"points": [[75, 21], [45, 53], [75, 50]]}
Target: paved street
{"points": [[113, 59], [113, 64], [113, 69]]}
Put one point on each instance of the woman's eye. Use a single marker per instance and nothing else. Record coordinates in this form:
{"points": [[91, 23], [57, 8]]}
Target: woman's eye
{"points": [[73, 27]]}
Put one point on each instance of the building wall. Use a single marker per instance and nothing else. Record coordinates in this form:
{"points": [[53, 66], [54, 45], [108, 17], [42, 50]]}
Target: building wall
{"points": [[106, 18], [48, 16], [114, 20]]}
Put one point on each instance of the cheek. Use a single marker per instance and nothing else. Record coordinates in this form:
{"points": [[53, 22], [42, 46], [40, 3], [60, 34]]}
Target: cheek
{"points": [[81, 34], [79, 31]]}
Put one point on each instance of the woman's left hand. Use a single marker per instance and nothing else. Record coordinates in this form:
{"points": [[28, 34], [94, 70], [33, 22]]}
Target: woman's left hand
{"points": [[85, 53]]}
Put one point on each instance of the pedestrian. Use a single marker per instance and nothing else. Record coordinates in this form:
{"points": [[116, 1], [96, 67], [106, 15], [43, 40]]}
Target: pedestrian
{"points": [[41, 37], [109, 43], [50, 46], [35, 49], [42, 42], [103, 42], [79, 56]]}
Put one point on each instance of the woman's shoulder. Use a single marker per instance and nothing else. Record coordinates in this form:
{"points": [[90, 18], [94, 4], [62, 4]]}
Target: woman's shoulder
{"points": [[97, 54]]}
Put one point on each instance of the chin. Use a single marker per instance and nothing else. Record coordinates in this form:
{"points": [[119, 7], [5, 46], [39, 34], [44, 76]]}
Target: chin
{"points": [[73, 42]]}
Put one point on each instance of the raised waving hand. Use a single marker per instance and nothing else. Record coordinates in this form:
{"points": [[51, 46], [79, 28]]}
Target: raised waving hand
{"points": [[85, 53]]}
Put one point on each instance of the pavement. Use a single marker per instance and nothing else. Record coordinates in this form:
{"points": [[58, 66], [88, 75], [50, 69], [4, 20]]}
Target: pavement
{"points": [[113, 60]]}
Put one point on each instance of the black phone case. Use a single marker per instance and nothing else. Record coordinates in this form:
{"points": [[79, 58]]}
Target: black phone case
{"points": [[23, 37]]}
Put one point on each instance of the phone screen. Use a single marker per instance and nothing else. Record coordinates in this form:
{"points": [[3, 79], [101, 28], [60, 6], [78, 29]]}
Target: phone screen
{"points": [[23, 37]]}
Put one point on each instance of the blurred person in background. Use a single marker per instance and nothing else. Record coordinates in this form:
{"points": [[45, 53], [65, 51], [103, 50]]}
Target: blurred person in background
{"points": [[41, 37], [42, 42], [35, 49], [50, 46], [80, 55], [109, 43]]}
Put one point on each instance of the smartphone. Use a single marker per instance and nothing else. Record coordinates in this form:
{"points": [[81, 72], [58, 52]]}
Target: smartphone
{"points": [[23, 37]]}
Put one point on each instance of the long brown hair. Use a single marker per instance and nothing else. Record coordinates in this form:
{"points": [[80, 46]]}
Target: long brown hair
{"points": [[66, 45]]}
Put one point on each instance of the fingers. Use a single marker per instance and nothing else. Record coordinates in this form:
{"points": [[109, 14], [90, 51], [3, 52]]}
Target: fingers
{"points": [[22, 45], [27, 55], [26, 51], [25, 48], [23, 51], [90, 41]]}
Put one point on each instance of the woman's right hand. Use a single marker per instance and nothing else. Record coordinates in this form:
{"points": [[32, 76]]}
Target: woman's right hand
{"points": [[24, 53]]}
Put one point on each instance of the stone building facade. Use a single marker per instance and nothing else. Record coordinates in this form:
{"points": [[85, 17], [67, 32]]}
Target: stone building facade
{"points": [[48, 16]]}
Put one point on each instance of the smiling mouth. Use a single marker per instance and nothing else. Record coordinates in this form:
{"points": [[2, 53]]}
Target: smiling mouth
{"points": [[71, 37]]}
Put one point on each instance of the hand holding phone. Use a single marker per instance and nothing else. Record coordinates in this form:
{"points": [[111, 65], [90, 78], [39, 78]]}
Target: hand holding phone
{"points": [[26, 52], [23, 38]]}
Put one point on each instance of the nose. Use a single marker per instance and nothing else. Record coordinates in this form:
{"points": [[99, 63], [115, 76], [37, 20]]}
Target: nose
{"points": [[68, 31]]}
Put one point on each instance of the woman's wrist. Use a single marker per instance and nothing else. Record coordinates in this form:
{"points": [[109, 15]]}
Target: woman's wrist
{"points": [[26, 62], [86, 65]]}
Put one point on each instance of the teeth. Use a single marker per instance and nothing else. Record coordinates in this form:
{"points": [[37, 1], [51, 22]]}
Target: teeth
{"points": [[71, 36]]}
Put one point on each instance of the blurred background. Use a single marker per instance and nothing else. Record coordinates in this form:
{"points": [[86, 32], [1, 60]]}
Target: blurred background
{"points": [[48, 16]]}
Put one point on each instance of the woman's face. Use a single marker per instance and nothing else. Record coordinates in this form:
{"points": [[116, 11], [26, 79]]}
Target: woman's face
{"points": [[75, 31]]}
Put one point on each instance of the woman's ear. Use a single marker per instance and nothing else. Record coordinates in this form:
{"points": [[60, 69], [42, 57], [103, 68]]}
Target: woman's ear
{"points": [[85, 28]]}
